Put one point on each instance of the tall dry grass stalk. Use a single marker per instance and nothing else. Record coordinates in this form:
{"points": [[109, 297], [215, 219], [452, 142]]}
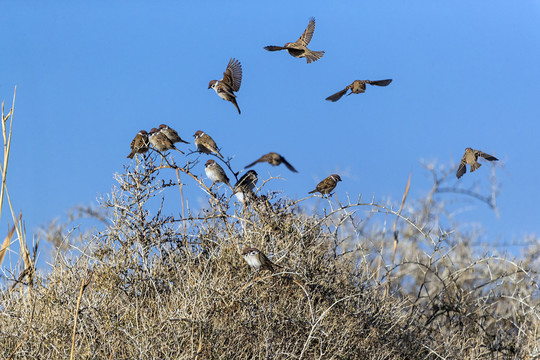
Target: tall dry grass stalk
{"points": [[28, 261]]}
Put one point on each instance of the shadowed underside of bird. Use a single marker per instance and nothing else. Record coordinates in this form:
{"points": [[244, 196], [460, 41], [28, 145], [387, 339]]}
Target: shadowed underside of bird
{"points": [[358, 87]]}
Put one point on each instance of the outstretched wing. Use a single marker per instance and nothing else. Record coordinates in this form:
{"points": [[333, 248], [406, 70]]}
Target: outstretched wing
{"points": [[274, 48], [462, 169], [338, 95], [308, 33], [288, 165], [486, 156], [380, 82], [233, 74], [255, 162]]}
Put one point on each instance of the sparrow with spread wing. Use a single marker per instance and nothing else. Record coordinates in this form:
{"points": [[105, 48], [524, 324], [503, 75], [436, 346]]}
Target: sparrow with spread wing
{"points": [[140, 144], [470, 157], [273, 159], [232, 79], [358, 87], [327, 185], [299, 48], [205, 143]]}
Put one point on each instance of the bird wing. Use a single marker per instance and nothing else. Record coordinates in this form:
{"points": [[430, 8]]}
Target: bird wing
{"points": [[325, 184], [253, 163], [288, 165], [462, 169], [379, 82], [338, 95], [486, 156], [274, 48], [308, 33], [233, 74]]}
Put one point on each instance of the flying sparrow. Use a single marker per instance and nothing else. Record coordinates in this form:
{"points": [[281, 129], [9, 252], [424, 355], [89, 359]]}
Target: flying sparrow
{"points": [[273, 159], [470, 158], [358, 87], [216, 173], [327, 185], [171, 134], [205, 143], [256, 259], [299, 48], [243, 189], [160, 141], [232, 79], [140, 144]]}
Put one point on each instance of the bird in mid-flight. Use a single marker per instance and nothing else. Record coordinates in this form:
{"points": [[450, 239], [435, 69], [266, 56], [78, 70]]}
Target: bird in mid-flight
{"points": [[470, 157], [232, 79], [140, 144], [327, 185], [273, 159], [358, 87], [299, 48]]}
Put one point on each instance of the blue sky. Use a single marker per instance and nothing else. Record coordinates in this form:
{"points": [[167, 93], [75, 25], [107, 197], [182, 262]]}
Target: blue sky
{"points": [[90, 75]]}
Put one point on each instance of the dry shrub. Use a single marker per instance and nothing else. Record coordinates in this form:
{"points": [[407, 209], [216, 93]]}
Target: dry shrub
{"points": [[166, 287]]}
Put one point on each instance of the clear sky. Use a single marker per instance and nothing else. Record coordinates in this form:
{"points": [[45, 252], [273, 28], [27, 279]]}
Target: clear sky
{"points": [[90, 75]]}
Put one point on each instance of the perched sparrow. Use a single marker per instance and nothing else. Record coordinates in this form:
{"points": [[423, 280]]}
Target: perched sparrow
{"points": [[256, 259], [327, 185], [160, 141], [243, 189], [205, 143], [470, 158], [299, 48], [273, 159], [171, 134], [216, 173], [232, 79], [358, 87], [140, 144]]}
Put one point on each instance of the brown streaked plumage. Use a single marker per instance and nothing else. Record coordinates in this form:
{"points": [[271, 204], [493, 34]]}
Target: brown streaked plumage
{"points": [[257, 260], [171, 134], [140, 144], [216, 173], [470, 157], [232, 79], [205, 143], [160, 141], [299, 48], [273, 159], [358, 87], [327, 185]]}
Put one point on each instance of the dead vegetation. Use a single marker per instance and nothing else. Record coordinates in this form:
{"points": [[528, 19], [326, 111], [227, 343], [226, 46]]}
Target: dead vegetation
{"points": [[151, 285]]}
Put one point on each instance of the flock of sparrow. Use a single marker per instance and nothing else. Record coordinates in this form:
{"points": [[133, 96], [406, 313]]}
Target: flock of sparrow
{"points": [[163, 138]]}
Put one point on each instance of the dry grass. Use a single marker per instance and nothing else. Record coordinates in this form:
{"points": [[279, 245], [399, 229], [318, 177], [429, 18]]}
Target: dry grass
{"points": [[151, 285]]}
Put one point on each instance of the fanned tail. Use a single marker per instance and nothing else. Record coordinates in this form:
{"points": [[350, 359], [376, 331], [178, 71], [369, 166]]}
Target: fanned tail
{"points": [[313, 55]]}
